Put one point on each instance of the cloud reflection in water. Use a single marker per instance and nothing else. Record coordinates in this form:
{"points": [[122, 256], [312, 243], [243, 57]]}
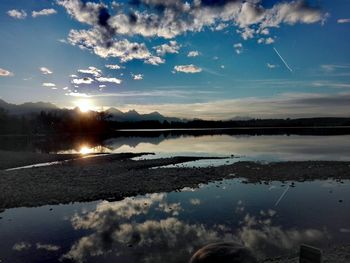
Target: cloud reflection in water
{"points": [[120, 229]]}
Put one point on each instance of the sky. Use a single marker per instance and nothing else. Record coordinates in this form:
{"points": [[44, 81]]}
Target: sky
{"points": [[191, 59]]}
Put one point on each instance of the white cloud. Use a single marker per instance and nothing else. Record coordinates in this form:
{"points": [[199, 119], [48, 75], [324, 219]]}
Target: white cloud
{"points": [[137, 76], [82, 81], [111, 80], [334, 67], [77, 94], [17, 14], [193, 53], [249, 14], [246, 33], [269, 40], [220, 26], [155, 61], [187, 68], [113, 66], [174, 18], [62, 40], [45, 71], [84, 12], [5, 73], [171, 48], [49, 84], [238, 48], [264, 31], [44, 12], [343, 20], [330, 84], [91, 71], [73, 76], [94, 40], [266, 41], [292, 13], [151, 93], [271, 65], [292, 105], [195, 201]]}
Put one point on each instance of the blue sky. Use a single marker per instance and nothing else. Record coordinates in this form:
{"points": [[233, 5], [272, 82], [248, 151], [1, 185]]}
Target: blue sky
{"points": [[201, 58]]}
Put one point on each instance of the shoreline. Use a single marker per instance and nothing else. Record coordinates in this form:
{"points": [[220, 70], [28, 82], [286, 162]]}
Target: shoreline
{"points": [[115, 176]]}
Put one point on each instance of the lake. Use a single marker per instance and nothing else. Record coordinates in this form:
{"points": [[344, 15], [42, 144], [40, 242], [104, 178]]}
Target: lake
{"points": [[271, 219]]}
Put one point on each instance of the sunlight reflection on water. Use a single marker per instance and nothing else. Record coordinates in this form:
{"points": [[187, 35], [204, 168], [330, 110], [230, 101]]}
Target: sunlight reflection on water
{"points": [[269, 148]]}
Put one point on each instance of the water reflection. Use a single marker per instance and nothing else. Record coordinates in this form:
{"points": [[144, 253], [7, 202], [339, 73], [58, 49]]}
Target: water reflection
{"points": [[85, 150], [169, 227], [267, 147], [118, 229]]}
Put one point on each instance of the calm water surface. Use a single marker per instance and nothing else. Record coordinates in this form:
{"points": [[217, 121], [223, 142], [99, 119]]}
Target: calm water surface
{"points": [[168, 227], [272, 147], [271, 219]]}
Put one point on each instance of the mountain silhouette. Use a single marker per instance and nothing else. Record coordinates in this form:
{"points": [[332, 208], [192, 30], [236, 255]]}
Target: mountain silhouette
{"points": [[114, 113], [134, 116], [27, 108]]}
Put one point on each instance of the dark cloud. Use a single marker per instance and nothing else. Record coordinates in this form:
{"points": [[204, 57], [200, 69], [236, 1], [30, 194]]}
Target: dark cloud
{"points": [[103, 17], [132, 18], [215, 3]]}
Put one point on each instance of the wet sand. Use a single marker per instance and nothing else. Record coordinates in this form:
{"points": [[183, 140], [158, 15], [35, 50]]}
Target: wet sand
{"points": [[115, 176]]}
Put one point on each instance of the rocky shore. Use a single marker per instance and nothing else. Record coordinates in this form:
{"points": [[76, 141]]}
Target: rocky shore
{"points": [[115, 176]]}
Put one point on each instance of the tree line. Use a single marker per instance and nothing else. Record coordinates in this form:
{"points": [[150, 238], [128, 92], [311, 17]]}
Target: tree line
{"points": [[75, 122]]}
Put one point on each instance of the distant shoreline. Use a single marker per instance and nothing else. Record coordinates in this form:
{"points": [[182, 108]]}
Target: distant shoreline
{"points": [[266, 130], [239, 128]]}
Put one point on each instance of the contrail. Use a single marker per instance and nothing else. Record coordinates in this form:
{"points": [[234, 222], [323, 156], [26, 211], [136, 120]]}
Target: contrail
{"points": [[285, 63], [282, 195]]}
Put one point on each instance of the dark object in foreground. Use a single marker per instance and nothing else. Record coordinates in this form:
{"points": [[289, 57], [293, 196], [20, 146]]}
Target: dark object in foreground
{"points": [[225, 252], [310, 254]]}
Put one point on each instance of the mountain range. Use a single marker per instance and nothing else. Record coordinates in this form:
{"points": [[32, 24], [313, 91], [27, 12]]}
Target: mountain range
{"points": [[27, 108], [115, 114], [132, 115]]}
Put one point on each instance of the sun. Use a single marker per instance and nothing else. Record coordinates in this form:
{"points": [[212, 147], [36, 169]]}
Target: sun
{"points": [[84, 105], [85, 150]]}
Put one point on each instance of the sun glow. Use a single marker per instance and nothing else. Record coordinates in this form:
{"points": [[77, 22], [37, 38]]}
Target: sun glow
{"points": [[85, 150], [84, 105]]}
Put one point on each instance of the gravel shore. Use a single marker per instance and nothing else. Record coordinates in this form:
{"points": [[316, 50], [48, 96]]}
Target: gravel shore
{"points": [[16, 159], [115, 176]]}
